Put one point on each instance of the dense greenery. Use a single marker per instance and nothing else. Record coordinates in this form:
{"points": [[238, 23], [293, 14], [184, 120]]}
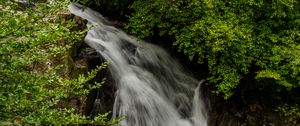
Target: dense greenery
{"points": [[291, 112], [233, 37], [32, 95]]}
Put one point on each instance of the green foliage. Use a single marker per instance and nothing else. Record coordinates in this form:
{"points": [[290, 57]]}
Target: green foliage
{"points": [[230, 36], [29, 96], [291, 113]]}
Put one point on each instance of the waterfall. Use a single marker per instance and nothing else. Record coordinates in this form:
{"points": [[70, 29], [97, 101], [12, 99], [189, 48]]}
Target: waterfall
{"points": [[153, 89]]}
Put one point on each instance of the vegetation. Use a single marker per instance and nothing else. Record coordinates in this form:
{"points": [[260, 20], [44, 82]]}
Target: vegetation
{"points": [[292, 114], [30, 36], [258, 40], [234, 38]]}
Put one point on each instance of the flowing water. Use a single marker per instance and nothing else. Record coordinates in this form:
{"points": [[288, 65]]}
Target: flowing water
{"points": [[153, 89]]}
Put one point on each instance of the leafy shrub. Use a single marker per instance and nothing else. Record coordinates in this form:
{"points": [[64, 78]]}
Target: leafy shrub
{"points": [[291, 113], [29, 96], [232, 37]]}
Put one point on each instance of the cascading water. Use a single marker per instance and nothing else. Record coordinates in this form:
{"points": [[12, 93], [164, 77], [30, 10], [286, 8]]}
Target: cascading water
{"points": [[152, 88]]}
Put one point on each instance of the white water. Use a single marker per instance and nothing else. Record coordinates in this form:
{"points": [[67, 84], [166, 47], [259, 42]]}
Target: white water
{"points": [[152, 88]]}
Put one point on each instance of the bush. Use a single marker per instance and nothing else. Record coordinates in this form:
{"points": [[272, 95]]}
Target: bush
{"points": [[29, 96], [291, 114], [232, 37]]}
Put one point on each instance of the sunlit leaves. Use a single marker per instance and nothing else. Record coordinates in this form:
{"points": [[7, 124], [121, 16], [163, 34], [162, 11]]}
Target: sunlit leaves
{"points": [[231, 36], [29, 96]]}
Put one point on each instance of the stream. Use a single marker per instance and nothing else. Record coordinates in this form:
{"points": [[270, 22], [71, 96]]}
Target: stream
{"points": [[153, 89]]}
